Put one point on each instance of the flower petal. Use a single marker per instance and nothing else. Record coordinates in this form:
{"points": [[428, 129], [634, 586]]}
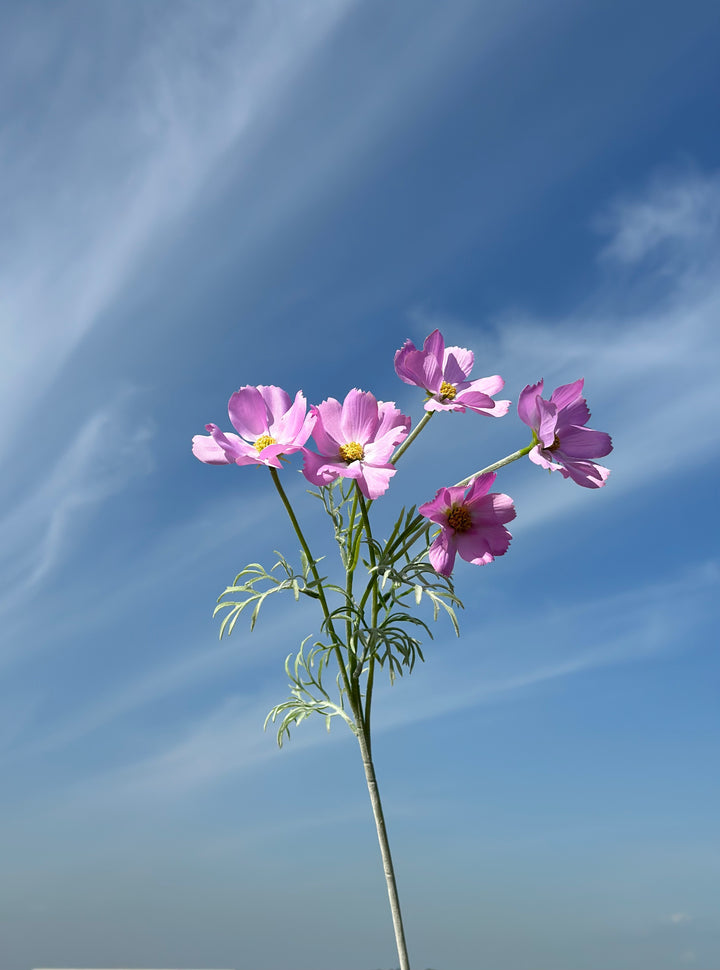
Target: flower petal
{"points": [[359, 419], [442, 553], [457, 364], [548, 422], [248, 413], [567, 394], [327, 432], [208, 450], [584, 443], [586, 473], [374, 481], [527, 404], [277, 403], [474, 548], [318, 470]]}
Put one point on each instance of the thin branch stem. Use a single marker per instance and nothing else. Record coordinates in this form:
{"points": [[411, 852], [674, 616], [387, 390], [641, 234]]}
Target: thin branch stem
{"points": [[400, 451], [498, 464], [388, 867], [337, 643]]}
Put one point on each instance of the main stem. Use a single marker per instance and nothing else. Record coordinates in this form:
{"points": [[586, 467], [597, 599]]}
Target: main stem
{"points": [[364, 742]]}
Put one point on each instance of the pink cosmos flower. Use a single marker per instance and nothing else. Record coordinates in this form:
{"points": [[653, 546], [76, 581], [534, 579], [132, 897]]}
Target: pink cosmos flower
{"points": [[355, 440], [443, 372], [563, 443], [268, 423], [471, 523]]}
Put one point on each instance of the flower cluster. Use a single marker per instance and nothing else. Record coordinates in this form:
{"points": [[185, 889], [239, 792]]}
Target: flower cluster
{"points": [[358, 439]]}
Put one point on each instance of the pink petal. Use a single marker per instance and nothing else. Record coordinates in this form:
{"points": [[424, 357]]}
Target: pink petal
{"points": [[585, 443], [575, 413], [442, 553], [527, 405], [286, 424], [327, 431], [475, 401], [436, 405], [567, 394], [318, 470], [586, 473], [488, 385], [537, 456], [277, 402], [248, 413], [208, 450], [473, 548], [457, 364], [545, 429], [374, 481], [479, 487], [359, 419], [391, 419], [403, 371]]}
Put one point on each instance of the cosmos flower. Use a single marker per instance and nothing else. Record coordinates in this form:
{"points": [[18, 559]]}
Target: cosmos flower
{"points": [[443, 372], [268, 423], [471, 523], [355, 440], [563, 443]]}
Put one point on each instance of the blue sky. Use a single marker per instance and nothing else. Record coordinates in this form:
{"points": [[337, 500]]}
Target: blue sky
{"points": [[198, 196]]}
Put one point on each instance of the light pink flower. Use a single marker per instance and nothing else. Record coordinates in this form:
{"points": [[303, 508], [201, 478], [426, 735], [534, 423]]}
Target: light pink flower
{"points": [[563, 443], [471, 523], [355, 440], [268, 423], [443, 372]]}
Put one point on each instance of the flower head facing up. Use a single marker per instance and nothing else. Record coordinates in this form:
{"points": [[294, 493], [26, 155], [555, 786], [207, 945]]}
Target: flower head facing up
{"points": [[563, 443], [471, 523], [443, 372], [355, 440], [268, 423]]}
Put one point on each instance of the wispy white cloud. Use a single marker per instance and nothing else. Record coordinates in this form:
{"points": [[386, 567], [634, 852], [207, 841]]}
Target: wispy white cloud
{"points": [[648, 354], [678, 212], [117, 179], [677, 918], [108, 451]]}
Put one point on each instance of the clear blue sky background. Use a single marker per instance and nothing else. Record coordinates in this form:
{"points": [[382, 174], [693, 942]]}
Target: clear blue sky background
{"points": [[197, 196]]}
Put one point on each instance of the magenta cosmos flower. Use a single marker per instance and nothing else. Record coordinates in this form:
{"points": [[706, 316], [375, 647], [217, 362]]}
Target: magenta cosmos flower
{"points": [[471, 523], [355, 440], [562, 442], [268, 423], [443, 372]]}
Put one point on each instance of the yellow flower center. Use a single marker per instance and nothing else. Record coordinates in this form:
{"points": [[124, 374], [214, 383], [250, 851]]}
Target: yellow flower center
{"points": [[448, 391], [263, 441], [459, 518], [352, 451]]}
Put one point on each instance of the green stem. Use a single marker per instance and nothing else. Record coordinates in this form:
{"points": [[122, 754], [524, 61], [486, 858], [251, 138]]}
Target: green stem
{"points": [[411, 437], [352, 558], [373, 612], [498, 464], [316, 576], [373, 791]]}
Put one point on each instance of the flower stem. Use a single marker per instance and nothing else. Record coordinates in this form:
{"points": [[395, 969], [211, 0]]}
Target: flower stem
{"points": [[498, 464], [316, 576], [411, 437], [363, 740]]}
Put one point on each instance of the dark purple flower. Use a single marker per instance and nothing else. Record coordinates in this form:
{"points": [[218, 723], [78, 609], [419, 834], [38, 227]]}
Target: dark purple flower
{"points": [[563, 443]]}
